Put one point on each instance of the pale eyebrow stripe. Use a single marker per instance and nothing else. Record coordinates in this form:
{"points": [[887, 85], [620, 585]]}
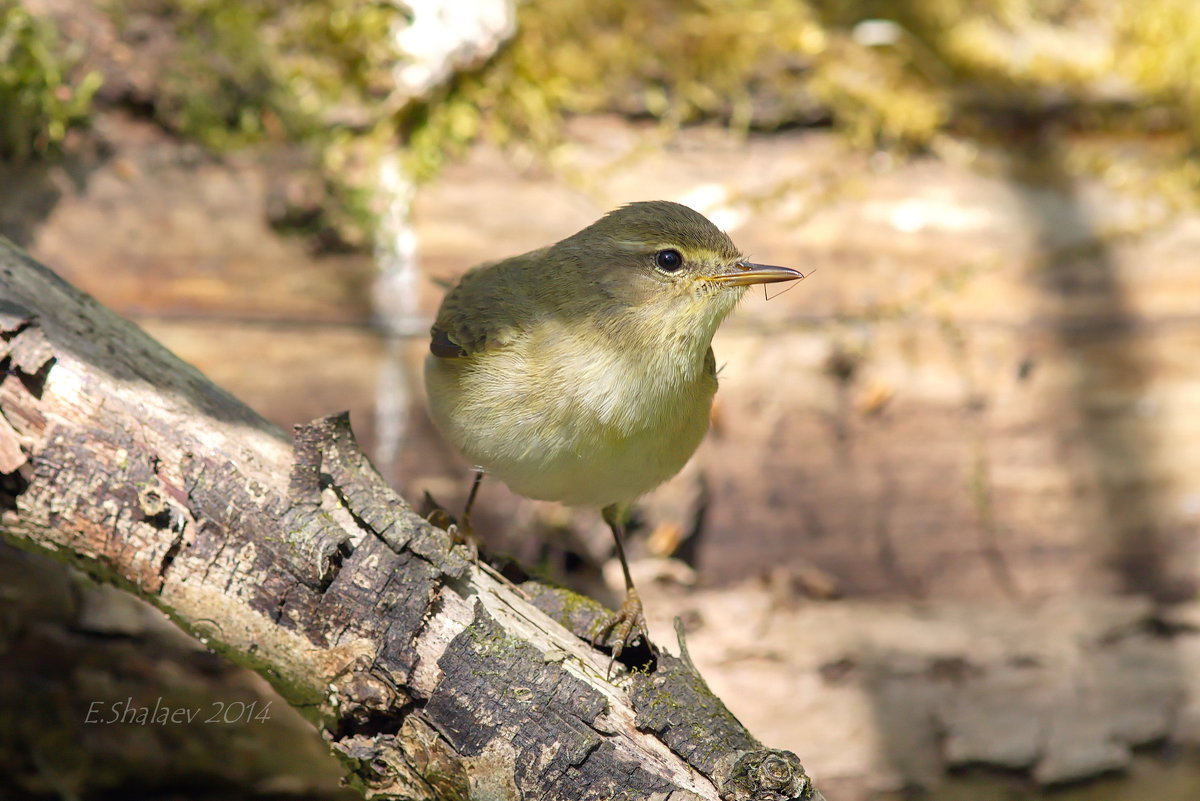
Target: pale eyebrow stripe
{"points": [[634, 246]]}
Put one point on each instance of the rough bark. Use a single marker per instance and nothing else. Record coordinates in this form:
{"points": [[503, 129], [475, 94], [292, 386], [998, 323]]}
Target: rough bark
{"points": [[433, 677]]}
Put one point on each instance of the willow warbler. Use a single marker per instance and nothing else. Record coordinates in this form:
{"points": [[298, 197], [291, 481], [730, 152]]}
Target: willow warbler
{"points": [[583, 372]]}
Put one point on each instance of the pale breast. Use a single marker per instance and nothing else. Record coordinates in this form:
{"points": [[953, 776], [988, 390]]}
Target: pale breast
{"points": [[569, 418]]}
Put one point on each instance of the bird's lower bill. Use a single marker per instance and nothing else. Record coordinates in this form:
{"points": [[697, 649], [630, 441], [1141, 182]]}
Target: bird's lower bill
{"points": [[755, 274]]}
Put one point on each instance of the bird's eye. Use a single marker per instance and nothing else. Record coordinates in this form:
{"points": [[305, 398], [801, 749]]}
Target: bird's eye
{"points": [[668, 260]]}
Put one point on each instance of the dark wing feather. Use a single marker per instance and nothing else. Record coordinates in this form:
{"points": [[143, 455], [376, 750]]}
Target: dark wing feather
{"points": [[486, 309], [442, 346]]}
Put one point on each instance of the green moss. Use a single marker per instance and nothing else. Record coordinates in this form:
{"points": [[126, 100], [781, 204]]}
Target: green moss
{"points": [[675, 60], [495, 644], [100, 571], [877, 99], [245, 72], [932, 66], [221, 88], [1159, 48], [41, 99], [320, 73], [305, 698], [577, 613]]}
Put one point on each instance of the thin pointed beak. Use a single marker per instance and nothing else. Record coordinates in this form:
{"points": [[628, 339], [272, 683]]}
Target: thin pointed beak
{"points": [[747, 273]]}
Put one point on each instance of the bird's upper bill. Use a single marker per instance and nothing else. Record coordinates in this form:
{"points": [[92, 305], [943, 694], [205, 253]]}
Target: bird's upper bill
{"points": [[745, 273]]}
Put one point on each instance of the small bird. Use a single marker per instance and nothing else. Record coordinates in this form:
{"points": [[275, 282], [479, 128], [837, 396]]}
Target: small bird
{"points": [[583, 372]]}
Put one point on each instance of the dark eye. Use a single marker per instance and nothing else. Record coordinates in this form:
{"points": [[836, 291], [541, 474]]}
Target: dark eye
{"points": [[668, 260]]}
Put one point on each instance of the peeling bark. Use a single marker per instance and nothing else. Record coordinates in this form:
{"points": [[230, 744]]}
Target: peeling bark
{"points": [[433, 677]]}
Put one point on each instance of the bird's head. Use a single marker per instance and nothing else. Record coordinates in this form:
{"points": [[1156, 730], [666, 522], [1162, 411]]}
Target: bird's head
{"points": [[664, 266]]}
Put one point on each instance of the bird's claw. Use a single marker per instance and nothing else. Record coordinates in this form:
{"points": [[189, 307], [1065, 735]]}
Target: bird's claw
{"points": [[623, 628], [435, 513], [463, 534]]}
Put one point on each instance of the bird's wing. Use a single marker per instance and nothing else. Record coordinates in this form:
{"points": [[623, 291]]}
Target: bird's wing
{"points": [[710, 363], [487, 309]]}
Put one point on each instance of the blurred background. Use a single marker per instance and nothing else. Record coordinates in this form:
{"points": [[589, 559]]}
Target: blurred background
{"points": [[942, 540]]}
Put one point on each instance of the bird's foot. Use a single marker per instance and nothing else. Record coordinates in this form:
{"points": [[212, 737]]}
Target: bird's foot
{"points": [[435, 513], [461, 533], [623, 628]]}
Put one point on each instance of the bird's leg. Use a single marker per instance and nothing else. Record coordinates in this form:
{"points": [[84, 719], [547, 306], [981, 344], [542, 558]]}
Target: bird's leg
{"points": [[465, 525], [461, 532], [628, 623]]}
